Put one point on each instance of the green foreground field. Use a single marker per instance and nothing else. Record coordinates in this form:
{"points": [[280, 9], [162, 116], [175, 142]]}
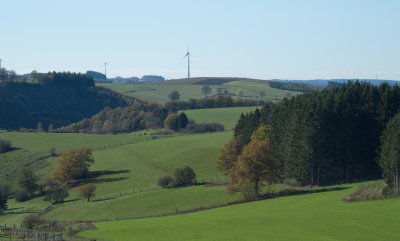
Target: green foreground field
{"points": [[225, 116], [158, 92], [129, 168], [319, 216]]}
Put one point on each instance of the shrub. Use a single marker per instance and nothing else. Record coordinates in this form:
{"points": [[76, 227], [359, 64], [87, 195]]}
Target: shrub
{"points": [[22, 195], [184, 176], [165, 181], [31, 221], [5, 146], [203, 128], [56, 195]]}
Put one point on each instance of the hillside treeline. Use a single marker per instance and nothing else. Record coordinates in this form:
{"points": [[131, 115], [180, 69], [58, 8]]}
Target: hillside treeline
{"points": [[292, 86], [57, 100], [136, 117], [63, 79], [327, 137], [218, 101]]}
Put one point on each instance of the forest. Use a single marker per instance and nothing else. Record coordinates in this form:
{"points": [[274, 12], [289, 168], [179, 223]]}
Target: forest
{"points": [[327, 137], [56, 99]]}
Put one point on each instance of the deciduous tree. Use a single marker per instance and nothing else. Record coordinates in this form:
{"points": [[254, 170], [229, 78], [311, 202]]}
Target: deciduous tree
{"points": [[205, 90], [184, 176], [27, 180], [174, 95], [87, 191], [72, 165], [257, 163]]}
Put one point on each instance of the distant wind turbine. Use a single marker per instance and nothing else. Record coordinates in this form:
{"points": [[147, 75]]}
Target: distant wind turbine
{"points": [[188, 58], [105, 69]]}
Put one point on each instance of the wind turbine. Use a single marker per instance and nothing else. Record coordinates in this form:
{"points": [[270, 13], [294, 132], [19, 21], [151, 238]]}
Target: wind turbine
{"points": [[188, 58], [105, 69]]}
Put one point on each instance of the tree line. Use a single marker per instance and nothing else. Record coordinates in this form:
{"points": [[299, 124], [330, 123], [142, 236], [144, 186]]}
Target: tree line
{"points": [[327, 137], [218, 101]]}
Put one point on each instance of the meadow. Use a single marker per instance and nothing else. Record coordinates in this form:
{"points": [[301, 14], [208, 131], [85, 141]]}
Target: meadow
{"points": [[33, 149], [318, 216], [158, 92], [226, 116], [127, 174]]}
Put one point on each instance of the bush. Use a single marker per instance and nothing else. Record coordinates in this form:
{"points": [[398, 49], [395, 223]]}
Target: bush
{"points": [[184, 176], [5, 146], [56, 195], [31, 221], [203, 128], [22, 195], [165, 181]]}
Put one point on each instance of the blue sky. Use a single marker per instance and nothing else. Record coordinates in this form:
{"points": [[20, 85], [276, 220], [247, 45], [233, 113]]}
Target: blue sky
{"points": [[260, 39]]}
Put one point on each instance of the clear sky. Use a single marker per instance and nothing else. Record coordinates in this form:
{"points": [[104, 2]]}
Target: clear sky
{"points": [[294, 39]]}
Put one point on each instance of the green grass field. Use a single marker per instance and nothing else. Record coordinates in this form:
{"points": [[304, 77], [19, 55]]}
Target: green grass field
{"points": [[141, 204], [158, 92], [225, 116], [131, 168], [31, 147], [321, 216]]}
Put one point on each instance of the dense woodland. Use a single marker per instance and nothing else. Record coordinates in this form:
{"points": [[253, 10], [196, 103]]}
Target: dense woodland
{"points": [[136, 117], [56, 99], [293, 86], [326, 137]]}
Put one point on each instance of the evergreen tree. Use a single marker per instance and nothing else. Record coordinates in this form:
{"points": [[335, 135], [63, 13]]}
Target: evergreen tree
{"points": [[389, 159]]}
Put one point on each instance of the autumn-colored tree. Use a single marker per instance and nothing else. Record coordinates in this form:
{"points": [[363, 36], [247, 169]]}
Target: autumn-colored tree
{"points": [[263, 133], [256, 164], [228, 156], [239, 92], [72, 165], [87, 191]]}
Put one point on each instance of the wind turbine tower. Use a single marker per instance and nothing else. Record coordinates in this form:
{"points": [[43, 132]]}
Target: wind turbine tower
{"points": [[105, 69], [188, 59]]}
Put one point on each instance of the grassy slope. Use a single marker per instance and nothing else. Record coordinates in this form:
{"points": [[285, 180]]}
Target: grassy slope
{"points": [[225, 116], [31, 146], [144, 204], [158, 92], [310, 217], [138, 166]]}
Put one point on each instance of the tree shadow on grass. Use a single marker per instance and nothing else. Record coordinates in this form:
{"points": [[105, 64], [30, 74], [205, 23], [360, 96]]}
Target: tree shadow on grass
{"points": [[95, 177], [293, 192]]}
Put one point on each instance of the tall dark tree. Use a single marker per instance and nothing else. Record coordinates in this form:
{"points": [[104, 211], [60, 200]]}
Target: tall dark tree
{"points": [[389, 159]]}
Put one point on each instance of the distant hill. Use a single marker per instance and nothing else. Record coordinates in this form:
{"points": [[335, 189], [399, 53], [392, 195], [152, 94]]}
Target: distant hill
{"points": [[25, 104], [210, 80], [322, 83]]}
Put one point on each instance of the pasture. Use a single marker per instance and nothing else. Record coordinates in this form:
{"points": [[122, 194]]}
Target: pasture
{"points": [[123, 171], [318, 216], [158, 92], [225, 116]]}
